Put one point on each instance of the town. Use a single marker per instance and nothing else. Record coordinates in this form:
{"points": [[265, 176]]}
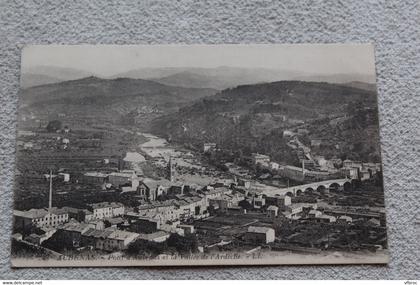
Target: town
{"points": [[102, 191]]}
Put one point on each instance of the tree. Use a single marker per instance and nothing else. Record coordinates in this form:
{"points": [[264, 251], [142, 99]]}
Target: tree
{"points": [[244, 204], [187, 243], [54, 125], [144, 247]]}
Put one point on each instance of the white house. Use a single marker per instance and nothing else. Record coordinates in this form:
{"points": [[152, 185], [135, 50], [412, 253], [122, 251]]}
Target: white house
{"points": [[260, 235]]}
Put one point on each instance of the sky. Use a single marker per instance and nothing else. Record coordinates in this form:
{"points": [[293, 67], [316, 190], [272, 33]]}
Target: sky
{"points": [[108, 60]]}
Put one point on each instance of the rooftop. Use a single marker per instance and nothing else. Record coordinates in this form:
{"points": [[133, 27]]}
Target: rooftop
{"points": [[154, 235], [106, 205], [98, 233], [272, 208], [121, 174], [96, 174], [72, 210], [261, 230], [75, 227], [153, 184], [122, 235], [39, 213], [31, 214]]}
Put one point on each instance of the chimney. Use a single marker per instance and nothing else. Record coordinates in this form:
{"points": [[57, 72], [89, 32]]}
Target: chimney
{"points": [[50, 196], [303, 167]]}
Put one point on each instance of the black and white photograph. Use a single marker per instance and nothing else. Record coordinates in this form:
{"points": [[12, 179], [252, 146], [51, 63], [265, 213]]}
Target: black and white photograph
{"points": [[188, 155]]}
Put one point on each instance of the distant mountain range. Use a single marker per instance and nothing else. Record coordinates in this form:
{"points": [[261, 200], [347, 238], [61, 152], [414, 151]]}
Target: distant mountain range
{"points": [[216, 78], [227, 77], [41, 75]]}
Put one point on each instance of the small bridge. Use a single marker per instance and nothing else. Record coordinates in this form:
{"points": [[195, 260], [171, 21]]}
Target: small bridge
{"points": [[316, 186]]}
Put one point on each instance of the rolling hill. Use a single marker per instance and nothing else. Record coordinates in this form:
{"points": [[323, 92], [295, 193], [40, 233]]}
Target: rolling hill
{"points": [[112, 98], [252, 118]]}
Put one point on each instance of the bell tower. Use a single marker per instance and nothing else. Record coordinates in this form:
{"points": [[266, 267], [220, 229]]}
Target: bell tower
{"points": [[171, 170]]}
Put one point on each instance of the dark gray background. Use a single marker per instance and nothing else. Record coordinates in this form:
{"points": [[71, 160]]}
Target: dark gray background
{"points": [[392, 25]]}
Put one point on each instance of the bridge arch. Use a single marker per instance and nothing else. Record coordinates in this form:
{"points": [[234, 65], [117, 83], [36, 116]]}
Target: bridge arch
{"points": [[289, 193], [347, 185], [309, 190], [321, 189], [335, 186], [299, 192]]}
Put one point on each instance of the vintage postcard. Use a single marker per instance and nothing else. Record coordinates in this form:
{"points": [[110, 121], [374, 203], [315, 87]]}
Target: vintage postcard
{"points": [[161, 155]]}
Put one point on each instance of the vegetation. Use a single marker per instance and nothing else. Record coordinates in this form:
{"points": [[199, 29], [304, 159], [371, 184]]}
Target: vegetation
{"points": [[252, 118], [54, 126], [181, 244]]}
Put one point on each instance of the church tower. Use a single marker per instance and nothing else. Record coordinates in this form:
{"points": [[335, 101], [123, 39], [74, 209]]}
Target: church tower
{"points": [[171, 170]]}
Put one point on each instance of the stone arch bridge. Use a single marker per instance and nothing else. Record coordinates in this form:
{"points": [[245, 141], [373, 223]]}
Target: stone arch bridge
{"points": [[315, 186]]}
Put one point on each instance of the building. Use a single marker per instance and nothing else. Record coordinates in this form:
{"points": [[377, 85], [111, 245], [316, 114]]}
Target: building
{"points": [[145, 225], [365, 174], [53, 217], [188, 229], [95, 238], [106, 210], [64, 176], [212, 193], [308, 164], [244, 182], [191, 206], [314, 214], [208, 147], [101, 210], [352, 173], [44, 234], [119, 240], [325, 219], [344, 219], [301, 174], [280, 201], [348, 164], [274, 166], [258, 201], [294, 211], [79, 215], [261, 159], [116, 222], [259, 235], [122, 178], [222, 204], [95, 178], [149, 189], [178, 189], [97, 224], [70, 234], [272, 211]]}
